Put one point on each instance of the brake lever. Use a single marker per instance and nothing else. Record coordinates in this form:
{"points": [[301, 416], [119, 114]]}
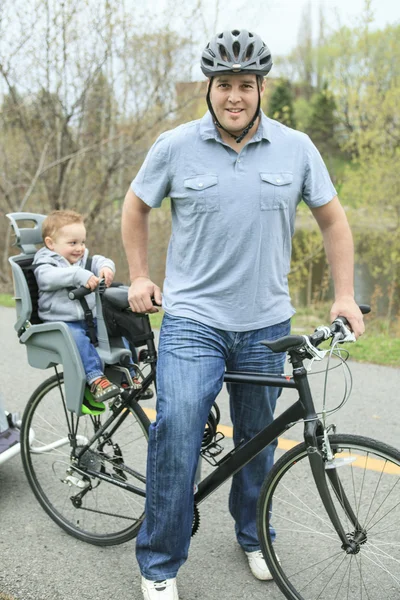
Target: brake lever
{"points": [[316, 353], [344, 333]]}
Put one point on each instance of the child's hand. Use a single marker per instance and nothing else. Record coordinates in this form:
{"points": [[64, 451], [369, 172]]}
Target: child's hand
{"points": [[108, 275], [92, 282]]}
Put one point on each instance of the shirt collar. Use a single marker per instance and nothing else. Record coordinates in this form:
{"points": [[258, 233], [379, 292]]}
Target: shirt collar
{"points": [[208, 130]]}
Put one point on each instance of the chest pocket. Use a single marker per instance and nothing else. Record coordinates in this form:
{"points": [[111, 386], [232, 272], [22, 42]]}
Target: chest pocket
{"points": [[275, 190], [204, 193]]}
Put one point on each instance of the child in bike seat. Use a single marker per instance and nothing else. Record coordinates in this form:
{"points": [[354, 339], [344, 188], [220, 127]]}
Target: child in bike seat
{"points": [[59, 265]]}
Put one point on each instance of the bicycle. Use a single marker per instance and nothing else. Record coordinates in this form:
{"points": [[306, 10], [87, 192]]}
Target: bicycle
{"points": [[9, 433], [336, 505]]}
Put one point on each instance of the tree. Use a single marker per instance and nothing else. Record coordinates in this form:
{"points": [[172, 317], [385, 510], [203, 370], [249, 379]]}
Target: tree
{"points": [[321, 126], [281, 104], [85, 87], [371, 132]]}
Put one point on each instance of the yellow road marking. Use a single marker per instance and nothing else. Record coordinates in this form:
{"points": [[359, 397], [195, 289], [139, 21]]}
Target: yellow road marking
{"points": [[371, 464]]}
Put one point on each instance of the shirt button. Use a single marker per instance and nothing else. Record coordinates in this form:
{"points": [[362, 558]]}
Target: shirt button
{"points": [[238, 160], [278, 181], [200, 185]]}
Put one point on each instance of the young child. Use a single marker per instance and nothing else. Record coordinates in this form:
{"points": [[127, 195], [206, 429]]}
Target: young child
{"points": [[61, 265]]}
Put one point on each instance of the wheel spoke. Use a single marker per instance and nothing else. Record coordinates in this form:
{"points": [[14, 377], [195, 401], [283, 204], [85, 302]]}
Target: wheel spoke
{"points": [[103, 512], [313, 564]]}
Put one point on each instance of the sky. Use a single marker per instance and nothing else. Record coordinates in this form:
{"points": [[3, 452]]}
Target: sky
{"points": [[276, 21]]}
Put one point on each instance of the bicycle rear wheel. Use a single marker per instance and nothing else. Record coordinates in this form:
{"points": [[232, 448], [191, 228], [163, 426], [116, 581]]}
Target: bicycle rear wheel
{"points": [[312, 564], [86, 506]]}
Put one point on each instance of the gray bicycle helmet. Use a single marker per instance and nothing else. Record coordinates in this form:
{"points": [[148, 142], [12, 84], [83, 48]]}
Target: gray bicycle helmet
{"points": [[236, 51]]}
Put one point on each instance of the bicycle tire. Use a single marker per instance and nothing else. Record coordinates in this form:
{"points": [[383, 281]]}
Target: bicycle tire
{"points": [[312, 564], [108, 514]]}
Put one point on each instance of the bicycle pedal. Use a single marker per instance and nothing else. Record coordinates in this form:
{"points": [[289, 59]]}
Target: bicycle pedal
{"points": [[213, 449]]}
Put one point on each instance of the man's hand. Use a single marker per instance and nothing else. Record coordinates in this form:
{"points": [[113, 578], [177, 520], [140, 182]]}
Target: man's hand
{"points": [[108, 275], [140, 295], [347, 307], [92, 282]]}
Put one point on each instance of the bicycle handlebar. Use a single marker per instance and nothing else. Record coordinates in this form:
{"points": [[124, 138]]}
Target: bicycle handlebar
{"points": [[308, 344], [82, 291], [339, 327]]}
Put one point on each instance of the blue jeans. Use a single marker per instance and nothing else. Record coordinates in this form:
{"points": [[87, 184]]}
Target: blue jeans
{"points": [[91, 361], [191, 363]]}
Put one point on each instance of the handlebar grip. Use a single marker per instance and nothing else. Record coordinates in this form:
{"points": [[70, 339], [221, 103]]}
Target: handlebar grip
{"points": [[343, 320], [364, 308], [80, 292]]}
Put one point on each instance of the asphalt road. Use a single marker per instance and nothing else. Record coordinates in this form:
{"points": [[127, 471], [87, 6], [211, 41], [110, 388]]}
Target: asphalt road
{"points": [[38, 561]]}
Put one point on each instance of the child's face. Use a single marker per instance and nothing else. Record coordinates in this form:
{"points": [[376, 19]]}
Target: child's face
{"points": [[69, 241]]}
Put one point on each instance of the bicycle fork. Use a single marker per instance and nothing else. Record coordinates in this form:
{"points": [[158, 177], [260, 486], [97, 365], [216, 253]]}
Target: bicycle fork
{"points": [[350, 542], [318, 455]]}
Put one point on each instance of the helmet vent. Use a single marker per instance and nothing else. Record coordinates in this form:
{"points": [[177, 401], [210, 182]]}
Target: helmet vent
{"points": [[231, 48], [223, 52], [236, 49], [249, 52]]}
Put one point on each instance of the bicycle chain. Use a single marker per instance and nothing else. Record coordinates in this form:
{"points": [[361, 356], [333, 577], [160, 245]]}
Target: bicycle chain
{"points": [[196, 520], [102, 512]]}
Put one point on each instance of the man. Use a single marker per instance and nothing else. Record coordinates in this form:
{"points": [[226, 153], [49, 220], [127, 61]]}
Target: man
{"points": [[234, 178]]}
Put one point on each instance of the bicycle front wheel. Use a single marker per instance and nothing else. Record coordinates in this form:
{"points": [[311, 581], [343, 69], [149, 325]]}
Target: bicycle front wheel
{"points": [[298, 540], [86, 495]]}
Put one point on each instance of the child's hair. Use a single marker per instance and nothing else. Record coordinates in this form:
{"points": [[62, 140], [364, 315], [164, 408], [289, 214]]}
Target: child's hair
{"points": [[58, 219]]}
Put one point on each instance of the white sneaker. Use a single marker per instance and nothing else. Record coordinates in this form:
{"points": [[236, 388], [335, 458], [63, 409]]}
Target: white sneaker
{"points": [[258, 566], [160, 590]]}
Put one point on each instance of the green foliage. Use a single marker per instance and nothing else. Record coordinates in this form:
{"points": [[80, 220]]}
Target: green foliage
{"points": [[377, 349], [308, 277], [302, 113], [156, 319], [7, 300], [321, 126], [376, 346], [281, 104]]}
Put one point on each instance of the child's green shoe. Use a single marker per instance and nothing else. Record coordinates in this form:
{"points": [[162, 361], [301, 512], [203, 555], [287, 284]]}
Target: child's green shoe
{"points": [[90, 406]]}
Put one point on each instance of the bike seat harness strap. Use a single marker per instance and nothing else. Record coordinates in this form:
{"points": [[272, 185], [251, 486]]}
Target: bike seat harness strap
{"points": [[88, 314]]}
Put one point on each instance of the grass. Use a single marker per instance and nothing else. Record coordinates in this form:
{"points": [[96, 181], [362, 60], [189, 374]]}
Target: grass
{"points": [[156, 318], [6, 300], [375, 346]]}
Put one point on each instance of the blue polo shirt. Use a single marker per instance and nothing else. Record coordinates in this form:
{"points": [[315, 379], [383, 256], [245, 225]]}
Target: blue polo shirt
{"points": [[233, 218]]}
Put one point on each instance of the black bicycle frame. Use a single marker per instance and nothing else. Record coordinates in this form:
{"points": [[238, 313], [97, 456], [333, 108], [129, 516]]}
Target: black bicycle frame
{"points": [[302, 409], [243, 453]]}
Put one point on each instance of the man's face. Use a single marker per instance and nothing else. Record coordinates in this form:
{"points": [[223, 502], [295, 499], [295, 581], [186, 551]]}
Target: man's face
{"points": [[69, 241], [234, 99]]}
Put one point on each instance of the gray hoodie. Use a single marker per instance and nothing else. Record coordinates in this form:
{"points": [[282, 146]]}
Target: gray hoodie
{"points": [[55, 274]]}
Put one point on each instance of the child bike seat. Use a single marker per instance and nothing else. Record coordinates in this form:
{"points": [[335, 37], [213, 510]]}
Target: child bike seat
{"points": [[51, 343]]}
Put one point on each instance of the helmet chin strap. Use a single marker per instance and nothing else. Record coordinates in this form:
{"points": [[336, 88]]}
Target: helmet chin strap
{"points": [[237, 138]]}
